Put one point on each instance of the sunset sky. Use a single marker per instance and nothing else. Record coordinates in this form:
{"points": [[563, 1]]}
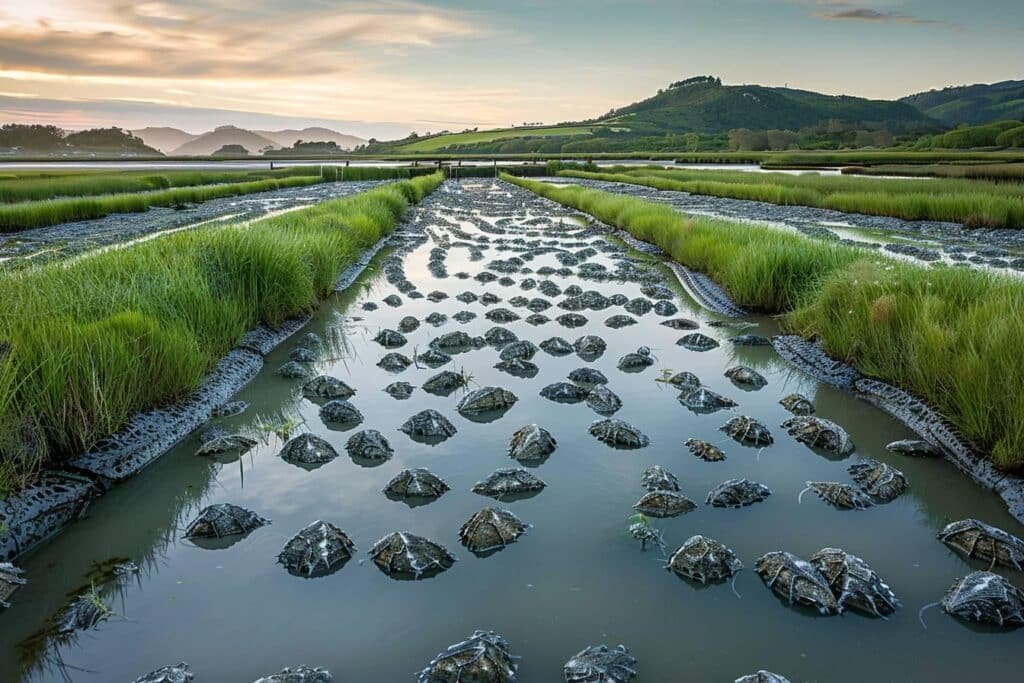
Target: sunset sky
{"points": [[385, 68]]}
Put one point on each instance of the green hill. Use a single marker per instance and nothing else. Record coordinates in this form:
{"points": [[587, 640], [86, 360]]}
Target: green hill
{"points": [[972, 104], [704, 105]]}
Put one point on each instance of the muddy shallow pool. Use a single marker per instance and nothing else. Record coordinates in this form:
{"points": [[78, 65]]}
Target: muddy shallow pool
{"points": [[576, 577]]}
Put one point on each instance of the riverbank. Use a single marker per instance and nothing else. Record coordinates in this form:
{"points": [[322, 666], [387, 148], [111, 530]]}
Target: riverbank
{"points": [[90, 343], [948, 336]]}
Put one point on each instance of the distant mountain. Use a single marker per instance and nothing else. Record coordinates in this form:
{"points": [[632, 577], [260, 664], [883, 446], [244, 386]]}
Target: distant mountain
{"points": [[288, 137], [972, 104], [208, 143], [164, 139], [704, 105]]}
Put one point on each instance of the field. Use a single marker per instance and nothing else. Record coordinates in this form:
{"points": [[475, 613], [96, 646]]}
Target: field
{"points": [[974, 203], [442, 141], [951, 336], [995, 172], [88, 343]]}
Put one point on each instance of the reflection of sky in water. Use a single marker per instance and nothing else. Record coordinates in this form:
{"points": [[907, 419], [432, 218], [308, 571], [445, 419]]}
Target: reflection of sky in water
{"points": [[573, 579]]}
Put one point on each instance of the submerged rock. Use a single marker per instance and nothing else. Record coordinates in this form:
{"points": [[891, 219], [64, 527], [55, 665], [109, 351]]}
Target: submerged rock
{"points": [[325, 386], [518, 368], [433, 358], [571, 320], [762, 676], [819, 433], [531, 443], [589, 347], [299, 674], [703, 400], [444, 383], [878, 479], [619, 321], [588, 376], [974, 539], [502, 315], [390, 338], [394, 362], [436, 319], [491, 529], [556, 346], [750, 340], [500, 337], [737, 493], [319, 549], [293, 370], [748, 431], [177, 673], [854, 584], [680, 324], [685, 380], [746, 377], [369, 444], [635, 362], [302, 355], [452, 341], [437, 295], [518, 349], [235, 443], [224, 519], [11, 579], [618, 433], [697, 342], [603, 400], [483, 658], [985, 598], [704, 560], [408, 324], [428, 425], [798, 404], [415, 483], [665, 308], [399, 390], [308, 450], [639, 306], [402, 555], [230, 409], [564, 392], [839, 495], [599, 664], [664, 504], [486, 400], [393, 300], [914, 447], [704, 450], [340, 412], [797, 582], [466, 297], [657, 478], [511, 481]]}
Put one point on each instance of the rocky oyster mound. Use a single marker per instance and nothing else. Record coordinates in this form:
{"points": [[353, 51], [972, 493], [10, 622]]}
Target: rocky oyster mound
{"points": [[176, 673], [703, 400], [746, 377], [509, 481], [394, 362], [985, 598], [11, 579], [762, 676], [556, 346], [618, 434], [839, 495], [974, 539], [340, 412], [879, 480], [588, 376], [402, 555], [603, 400], [599, 664], [531, 443], [697, 342], [664, 504], [416, 483], [399, 390], [704, 560], [704, 450], [589, 347], [748, 431], [235, 443], [797, 582], [319, 549], [299, 674], [657, 478], [854, 584], [564, 392], [369, 444], [737, 493], [390, 339], [308, 450], [819, 433], [914, 447], [428, 425], [483, 657], [224, 519], [325, 386], [798, 404], [444, 383], [486, 400], [491, 529]]}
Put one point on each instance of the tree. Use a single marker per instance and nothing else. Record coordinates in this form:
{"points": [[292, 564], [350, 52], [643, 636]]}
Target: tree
{"points": [[692, 141]]}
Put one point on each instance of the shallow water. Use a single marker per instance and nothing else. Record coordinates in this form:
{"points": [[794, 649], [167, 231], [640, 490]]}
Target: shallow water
{"points": [[575, 578]]}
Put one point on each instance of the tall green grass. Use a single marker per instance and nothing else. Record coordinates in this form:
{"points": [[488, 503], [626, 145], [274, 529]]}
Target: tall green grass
{"points": [[88, 343], [972, 202], [993, 172], [951, 336]]}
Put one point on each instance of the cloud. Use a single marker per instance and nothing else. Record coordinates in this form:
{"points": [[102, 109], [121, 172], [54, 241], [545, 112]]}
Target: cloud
{"points": [[840, 10]]}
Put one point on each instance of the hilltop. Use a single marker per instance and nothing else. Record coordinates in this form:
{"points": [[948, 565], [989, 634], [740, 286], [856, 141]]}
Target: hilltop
{"points": [[972, 104]]}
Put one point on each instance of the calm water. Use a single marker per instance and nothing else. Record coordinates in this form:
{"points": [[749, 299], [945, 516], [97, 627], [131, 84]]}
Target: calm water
{"points": [[575, 578]]}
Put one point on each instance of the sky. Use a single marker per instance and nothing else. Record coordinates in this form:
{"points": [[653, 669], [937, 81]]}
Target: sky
{"points": [[386, 68]]}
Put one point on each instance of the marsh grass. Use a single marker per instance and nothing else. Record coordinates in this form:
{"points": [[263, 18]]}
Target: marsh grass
{"points": [[993, 172], [91, 342], [974, 203], [950, 336]]}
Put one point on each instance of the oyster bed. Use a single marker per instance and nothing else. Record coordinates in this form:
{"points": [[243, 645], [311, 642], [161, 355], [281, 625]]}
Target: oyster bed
{"points": [[326, 564]]}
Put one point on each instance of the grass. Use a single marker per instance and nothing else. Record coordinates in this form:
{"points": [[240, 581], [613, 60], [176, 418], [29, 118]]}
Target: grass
{"points": [[437, 142], [951, 336], [993, 172], [86, 344], [974, 203]]}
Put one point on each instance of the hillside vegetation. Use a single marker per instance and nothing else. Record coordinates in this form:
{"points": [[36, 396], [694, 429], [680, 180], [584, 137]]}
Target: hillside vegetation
{"points": [[971, 104]]}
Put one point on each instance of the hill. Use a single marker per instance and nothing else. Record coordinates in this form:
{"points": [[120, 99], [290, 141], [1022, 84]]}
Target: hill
{"points": [[31, 140], [288, 137], [972, 104], [704, 105], [163, 138], [208, 143]]}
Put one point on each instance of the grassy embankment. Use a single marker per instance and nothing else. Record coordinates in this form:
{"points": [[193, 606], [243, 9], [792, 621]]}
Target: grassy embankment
{"points": [[950, 336], [974, 203], [994, 172], [84, 345], [437, 142]]}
